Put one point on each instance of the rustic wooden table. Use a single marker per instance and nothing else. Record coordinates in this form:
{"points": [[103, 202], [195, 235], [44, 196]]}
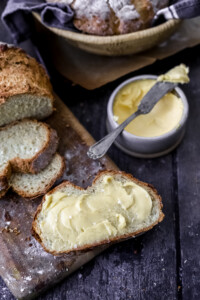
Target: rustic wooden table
{"points": [[165, 262]]}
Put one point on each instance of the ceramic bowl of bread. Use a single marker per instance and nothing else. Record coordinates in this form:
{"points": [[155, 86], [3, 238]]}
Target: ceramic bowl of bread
{"points": [[114, 27]]}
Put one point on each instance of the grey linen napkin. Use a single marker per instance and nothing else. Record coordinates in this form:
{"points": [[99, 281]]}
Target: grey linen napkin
{"points": [[180, 9], [17, 17]]}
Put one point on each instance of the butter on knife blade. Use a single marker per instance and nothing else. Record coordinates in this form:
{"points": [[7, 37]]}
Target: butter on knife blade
{"points": [[178, 74]]}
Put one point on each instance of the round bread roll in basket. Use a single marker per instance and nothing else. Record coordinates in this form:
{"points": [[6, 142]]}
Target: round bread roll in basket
{"points": [[115, 27]]}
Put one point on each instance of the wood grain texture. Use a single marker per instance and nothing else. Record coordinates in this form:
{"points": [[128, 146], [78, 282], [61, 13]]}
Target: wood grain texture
{"points": [[188, 179]]}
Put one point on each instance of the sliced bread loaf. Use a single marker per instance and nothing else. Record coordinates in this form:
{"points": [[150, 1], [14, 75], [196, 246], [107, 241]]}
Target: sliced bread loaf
{"points": [[116, 207], [25, 89], [34, 185], [26, 146]]}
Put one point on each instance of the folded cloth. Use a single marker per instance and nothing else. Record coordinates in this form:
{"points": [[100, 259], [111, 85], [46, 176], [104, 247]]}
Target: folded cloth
{"points": [[180, 9], [16, 16]]}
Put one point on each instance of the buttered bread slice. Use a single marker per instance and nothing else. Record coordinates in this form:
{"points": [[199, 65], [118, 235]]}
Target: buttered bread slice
{"points": [[25, 89], [116, 207], [27, 147]]}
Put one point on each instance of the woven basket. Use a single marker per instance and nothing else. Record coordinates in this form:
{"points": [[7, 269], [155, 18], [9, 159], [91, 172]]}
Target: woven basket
{"points": [[124, 44]]}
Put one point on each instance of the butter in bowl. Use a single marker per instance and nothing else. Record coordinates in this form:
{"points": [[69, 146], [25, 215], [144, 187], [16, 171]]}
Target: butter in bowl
{"points": [[158, 132]]}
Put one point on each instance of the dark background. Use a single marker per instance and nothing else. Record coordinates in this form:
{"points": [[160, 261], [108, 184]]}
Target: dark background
{"points": [[165, 262]]}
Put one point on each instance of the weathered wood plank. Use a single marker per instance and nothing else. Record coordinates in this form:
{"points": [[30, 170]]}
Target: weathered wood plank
{"points": [[188, 161]]}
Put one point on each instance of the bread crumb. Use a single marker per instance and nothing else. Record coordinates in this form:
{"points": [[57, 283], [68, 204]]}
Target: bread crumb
{"points": [[8, 229]]}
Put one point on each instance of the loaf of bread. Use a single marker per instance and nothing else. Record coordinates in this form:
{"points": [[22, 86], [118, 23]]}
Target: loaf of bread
{"points": [[25, 89], [116, 207], [27, 146], [110, 17], [34, 185]]}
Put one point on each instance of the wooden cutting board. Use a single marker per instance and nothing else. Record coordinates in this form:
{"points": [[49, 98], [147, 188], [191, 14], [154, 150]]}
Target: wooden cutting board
{"points": [[25, 267]]}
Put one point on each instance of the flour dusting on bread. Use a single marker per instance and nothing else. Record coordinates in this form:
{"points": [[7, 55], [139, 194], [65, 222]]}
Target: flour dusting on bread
{"points": [[124, 9]]}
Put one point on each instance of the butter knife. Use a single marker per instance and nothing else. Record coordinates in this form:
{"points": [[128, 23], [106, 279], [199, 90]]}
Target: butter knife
{"points": [[158, 90]]}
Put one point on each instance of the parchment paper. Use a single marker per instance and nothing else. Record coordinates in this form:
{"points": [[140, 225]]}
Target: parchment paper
{"points": [[92, 71]]}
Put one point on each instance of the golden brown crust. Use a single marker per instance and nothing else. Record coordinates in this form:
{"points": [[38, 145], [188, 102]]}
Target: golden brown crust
{"points": [[4, 186], [113, 25], [153, 192], [38, 162], [3, 183], [4, 178], [22, 74], [47, 188], [94, 26], [2, 193]]}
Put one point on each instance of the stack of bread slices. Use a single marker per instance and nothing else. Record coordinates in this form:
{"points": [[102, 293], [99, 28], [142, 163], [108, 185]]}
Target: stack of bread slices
{"points": [[29, 163]]}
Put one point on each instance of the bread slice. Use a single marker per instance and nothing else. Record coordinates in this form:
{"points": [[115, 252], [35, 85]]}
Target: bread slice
{"points": [[79, 225], [26, 146], [25, 89], [35, 185]]}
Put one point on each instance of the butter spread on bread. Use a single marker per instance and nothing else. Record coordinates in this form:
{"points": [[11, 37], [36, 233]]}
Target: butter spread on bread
{"points": [[116, 206]]}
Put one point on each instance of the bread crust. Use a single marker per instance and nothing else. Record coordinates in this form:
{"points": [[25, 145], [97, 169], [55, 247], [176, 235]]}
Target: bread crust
{"points": [[22, 74], [4, 178], [113, 25], [34, 165], [4, 186], [151, 190], [2, 193], [46, 189]]}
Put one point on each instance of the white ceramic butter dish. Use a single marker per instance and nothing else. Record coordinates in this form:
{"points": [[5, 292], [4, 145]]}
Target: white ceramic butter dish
{"points": [[147, 147]]}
